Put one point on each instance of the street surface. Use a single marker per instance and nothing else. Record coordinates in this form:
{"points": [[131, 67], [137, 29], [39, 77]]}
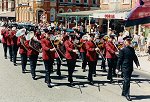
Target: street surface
{"points": [[18, 87]]}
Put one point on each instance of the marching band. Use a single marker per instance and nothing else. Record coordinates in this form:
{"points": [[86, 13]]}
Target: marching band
{"points": [[58, 44]]}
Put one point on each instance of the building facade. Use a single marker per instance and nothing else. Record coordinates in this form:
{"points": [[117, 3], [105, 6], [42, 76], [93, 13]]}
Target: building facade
{"points": [[117, 4], [7, 5], [36, 10]]}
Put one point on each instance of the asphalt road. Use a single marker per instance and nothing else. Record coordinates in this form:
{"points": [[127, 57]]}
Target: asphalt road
{"points": [[18, 87]]}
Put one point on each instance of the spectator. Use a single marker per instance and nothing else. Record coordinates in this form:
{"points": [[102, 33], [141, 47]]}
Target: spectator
{"points": [[142, 44]]}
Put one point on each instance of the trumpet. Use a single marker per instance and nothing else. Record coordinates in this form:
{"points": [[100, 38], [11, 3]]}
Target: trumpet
{"points": [[99, 52]]}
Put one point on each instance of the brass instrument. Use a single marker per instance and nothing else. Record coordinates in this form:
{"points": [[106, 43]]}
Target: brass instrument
{"points": [[36, 45], [51, 41], [99, 51]]}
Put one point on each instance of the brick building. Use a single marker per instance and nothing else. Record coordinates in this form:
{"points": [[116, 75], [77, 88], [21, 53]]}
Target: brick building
{"points": [[31, 11]]}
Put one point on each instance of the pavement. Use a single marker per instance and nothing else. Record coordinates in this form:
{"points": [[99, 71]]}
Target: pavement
{"points": [[18, 87]]}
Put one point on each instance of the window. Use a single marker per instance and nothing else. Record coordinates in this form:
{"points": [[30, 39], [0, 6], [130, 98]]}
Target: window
{"points": [[69, 0], [114, 0], [105, 1], [77, 1], [69, 10], [126, 1], [52, 14], [61, 18], [52, 0], [61, 0], [94, 1], [85, 1]]}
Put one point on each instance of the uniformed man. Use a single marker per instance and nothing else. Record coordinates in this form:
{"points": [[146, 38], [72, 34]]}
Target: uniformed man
{"points": [[91, 56], [32, 54], [111, 57], [48, 54], [71, 56], [125, 60], [22, 51], [4, 40]]}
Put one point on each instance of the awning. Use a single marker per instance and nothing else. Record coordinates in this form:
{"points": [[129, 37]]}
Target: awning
{"points": [[8, 14], [115, 14]]}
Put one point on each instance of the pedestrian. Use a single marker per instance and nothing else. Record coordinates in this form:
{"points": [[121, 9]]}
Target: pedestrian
{"points": [[125, 60], [142, 44]]}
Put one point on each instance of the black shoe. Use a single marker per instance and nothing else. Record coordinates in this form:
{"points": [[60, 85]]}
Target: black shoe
{"points": [[15, 64], [111, 81], [5, 57], [94, 75], [10, 60], [128, 98], [104, 70], [84, 70], [58, 73], [23, 72], [71, 84], [91, 83], [33, 78], [50, 85]]}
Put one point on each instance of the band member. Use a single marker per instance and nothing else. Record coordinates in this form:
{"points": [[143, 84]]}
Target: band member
{"points": [[83, 52], [125, 60], [22, 52], [59, 54], [91, 56], [48, 54], [4, 40], [111, 57], [9, 43], [14, 46], [71, 55], [101, 46], [32, 54]]}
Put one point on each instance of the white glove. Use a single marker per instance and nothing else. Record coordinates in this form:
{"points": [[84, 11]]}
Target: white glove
{"points": [[117, 71]]}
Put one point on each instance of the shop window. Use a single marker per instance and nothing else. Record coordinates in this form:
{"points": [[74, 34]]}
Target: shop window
{"points": [[61, 0], [94, 1], [85, 1], [126, 1], [77, 1]]}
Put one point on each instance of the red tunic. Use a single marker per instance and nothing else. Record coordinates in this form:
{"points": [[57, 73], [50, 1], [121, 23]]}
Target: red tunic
{"points": [[14, 38], [83, 47], [30, 51], [91, 53], [22, 49], [3, 33], [69, 47], [46, 53], [9, 38], [110, 50]]}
